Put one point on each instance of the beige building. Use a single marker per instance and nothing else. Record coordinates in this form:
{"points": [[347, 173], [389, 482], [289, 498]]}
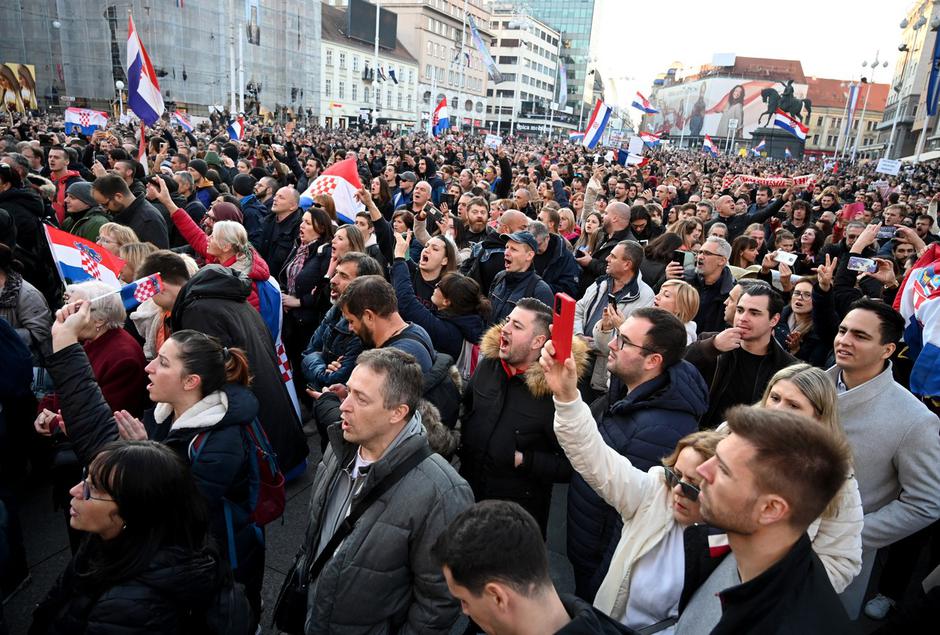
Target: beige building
{"points": [[827, 126]]}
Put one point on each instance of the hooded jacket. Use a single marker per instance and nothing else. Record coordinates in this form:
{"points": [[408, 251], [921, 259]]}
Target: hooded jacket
{"points": [[332, 339], [257, 271], [222, 469], [85, 224], [214, 302], [561, 270], [62, 182], [508, 288], [381, 578], [644, 426], [503, 415], [448, 332], [146, 222]]}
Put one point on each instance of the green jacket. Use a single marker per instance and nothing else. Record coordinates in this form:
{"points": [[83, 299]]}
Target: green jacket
{"points": [[85, 224]]}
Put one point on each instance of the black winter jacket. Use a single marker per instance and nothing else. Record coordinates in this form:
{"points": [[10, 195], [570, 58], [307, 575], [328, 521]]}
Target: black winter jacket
{"points": [[508, 288], [277, 239], [503, 415], [720, 371], [598, 265], [486, 260], [561, 271], [711, 308], [26, 210], [165, 599], [816, 345], [146, 222], [214, 302], [222, 468], [643, 426]]}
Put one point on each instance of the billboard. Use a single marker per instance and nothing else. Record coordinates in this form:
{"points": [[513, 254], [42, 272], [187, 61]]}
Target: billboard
{"points": [[719, 106], [360, 24], [18, 84]]}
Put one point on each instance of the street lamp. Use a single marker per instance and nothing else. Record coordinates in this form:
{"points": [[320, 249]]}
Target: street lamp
{"points": [[120, 88], [904, 48], [861, 120]]}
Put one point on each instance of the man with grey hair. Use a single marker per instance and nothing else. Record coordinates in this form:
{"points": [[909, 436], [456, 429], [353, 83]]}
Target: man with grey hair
{"points": [[616, 226], [521, 197], [553, 261], [738, 223], [713, 280], [186, 190], [386, 553], [421, 200]]}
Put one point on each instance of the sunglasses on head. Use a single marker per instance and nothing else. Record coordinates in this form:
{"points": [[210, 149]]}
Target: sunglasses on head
{"points": [[688, 490]]}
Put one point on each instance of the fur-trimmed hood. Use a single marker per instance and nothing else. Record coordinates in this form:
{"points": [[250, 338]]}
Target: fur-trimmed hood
{"points": [[534, 375]]}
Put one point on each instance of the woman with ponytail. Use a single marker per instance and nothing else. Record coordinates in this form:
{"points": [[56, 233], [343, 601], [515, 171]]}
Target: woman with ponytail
{"points": [[227, 244], [203, 405]]}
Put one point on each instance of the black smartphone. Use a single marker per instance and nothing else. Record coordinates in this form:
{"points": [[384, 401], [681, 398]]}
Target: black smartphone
{"points": [[612, 300], [448, 200], [435, 216], [102, 159]]}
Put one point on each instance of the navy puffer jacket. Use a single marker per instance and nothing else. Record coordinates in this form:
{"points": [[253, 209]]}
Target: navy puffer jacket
{"points": [[643, 426]]}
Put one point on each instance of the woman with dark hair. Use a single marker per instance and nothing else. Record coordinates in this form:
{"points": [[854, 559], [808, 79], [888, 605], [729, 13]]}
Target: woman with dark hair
{"points": [[811, 241], [426, 170], [306, 294], [656, 256], [203, 407], [403, 221], [147, 563], [734, 109], [382, 197], [458, 311], [744, 251]]}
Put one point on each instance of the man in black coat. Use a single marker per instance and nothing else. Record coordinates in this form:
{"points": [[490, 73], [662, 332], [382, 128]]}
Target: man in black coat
{"points": [[112, 194], [616, 226], [214, 301], [508, 448], [280, 229]]}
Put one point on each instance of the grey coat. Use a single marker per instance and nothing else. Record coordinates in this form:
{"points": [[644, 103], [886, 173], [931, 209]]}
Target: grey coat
{"points": [[381, 579], [32, 320]]}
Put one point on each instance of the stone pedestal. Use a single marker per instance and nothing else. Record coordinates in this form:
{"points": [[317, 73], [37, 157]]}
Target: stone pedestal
{"points": [[776, 141]]}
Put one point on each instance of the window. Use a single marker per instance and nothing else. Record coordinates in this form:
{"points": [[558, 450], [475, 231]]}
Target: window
{"points": [[341, 90], [342, 61], [355, 63], [819, 121], [328, 88], [329, 57], [388, 98], [355, 92], [366, 91], [378, 95], [400, 101], [427, 71], [816, 138], [409, 102]]}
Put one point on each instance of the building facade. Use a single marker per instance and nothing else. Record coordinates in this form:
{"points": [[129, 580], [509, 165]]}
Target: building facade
{"points": [[79, 49], [574, 20], [526, 51], [351, 90], [828, 134], [433, 30]]}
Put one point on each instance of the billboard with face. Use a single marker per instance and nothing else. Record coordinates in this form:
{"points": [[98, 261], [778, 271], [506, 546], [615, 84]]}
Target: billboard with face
{"points": [[713, 106], [18, 87]]}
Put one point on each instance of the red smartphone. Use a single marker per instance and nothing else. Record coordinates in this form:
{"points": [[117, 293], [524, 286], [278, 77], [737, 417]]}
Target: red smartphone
{"points": [[563, 326]]}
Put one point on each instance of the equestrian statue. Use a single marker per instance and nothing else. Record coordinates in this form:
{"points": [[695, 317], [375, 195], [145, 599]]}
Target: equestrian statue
{"points": [[786, 102]]}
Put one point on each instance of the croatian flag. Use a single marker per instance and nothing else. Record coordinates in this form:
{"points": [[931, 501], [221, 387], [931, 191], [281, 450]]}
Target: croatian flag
{"points": [[920, 308], [791, 125], [575, 137], [787, 153], [269, 305], [182, 120], [710, 147], [341, 182], [139, 291], [86, 120], [642, 103], [236, 129], [756, 150], [596, 125], [440, 121], [650, 139], [78, 260], [143, 93]]}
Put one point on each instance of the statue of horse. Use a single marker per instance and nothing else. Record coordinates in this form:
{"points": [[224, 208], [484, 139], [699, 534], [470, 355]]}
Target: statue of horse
{"points": [[790, 105]]}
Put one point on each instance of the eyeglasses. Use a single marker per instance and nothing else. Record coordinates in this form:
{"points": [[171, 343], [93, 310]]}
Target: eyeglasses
{"points": [[688, 490], [86, 489], [709, 253], [803, 295], [623, 341]]}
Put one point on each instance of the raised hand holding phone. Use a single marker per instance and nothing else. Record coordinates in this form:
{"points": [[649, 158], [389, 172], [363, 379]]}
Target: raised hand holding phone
{"points": [[563, 326]]}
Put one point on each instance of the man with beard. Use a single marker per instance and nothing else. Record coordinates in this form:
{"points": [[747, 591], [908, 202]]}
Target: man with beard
{"points": [[311, 171], [768, 481], [112, 194], [475, 229], [738, 362], [331, 355], [616, 226]]}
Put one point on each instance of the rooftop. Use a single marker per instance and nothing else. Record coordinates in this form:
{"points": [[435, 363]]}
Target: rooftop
{"points": [[333, 29], [832, 93]]}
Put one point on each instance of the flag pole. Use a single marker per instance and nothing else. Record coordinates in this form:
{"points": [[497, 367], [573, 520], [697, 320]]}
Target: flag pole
{"points": [[463, 67], [231, 56]]}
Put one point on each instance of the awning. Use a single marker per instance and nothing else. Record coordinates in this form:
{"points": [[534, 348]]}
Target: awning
{"points": [[933, 155]]}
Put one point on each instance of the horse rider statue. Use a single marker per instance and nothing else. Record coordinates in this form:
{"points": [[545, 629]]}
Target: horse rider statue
{"points": [[786, 102]]}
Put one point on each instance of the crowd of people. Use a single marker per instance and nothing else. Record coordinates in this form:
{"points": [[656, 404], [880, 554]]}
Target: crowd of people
{"points": [[746, 422]]}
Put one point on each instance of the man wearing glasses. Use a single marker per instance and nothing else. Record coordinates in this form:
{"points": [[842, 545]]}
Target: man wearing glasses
{"points": [[738, 362], [712, 279], [655, 399]]}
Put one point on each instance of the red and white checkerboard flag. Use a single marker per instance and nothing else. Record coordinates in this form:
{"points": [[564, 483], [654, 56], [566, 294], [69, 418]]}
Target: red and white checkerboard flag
{"points": [[139, 291], [341, 182]]}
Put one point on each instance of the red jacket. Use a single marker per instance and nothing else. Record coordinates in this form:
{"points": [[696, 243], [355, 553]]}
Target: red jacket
{"points": [[198, 240], [62, 183]]}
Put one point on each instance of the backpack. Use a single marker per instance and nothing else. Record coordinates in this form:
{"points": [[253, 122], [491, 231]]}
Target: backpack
{"points": [[266, 499], [439, 386]]}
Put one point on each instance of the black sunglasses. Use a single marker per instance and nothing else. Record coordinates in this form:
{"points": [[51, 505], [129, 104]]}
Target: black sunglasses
{"points": [[688, 490]]}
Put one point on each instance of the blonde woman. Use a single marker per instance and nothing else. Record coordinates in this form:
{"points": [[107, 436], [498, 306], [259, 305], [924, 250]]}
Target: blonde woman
{"points": [[133, 255], [113, 236], [567, 226], [682, 300]]}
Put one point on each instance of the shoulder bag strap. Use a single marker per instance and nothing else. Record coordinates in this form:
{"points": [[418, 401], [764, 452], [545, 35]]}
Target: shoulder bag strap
{"points": [[357, 510]]}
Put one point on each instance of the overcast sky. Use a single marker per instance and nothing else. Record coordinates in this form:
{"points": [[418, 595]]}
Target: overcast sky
{"points": [[831, 38]]}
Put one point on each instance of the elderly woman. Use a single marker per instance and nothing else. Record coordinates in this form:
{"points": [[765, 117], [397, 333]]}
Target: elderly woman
{"points": [[133, 255], [226, 245], [117, 362], [113, 236], [23, 306]]}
